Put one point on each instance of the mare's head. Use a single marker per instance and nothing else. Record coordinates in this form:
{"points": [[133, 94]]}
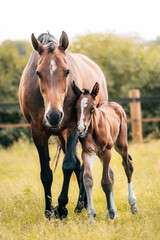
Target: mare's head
{"points": [[85, 107], [52, 71]]}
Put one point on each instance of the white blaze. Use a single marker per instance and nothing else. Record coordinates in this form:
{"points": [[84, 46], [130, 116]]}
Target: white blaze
{"points": [[83, 105], [53, 67]]}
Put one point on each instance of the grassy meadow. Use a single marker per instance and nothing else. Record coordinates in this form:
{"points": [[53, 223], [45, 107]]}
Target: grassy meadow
{"points": [[22, 198]]}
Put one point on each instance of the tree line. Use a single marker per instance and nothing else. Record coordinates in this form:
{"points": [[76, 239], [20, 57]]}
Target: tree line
{"points": [[126, 63]]}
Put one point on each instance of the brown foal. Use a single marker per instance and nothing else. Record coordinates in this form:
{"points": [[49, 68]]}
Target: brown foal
{"points": [[98, 129]]}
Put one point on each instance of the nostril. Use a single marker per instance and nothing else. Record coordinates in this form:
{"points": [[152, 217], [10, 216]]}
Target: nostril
{"points": [[47, 116], [61, 115]]}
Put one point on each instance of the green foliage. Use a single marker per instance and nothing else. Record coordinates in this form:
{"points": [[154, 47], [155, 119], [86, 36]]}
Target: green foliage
{"points": [[125, 63], [13, 58]]}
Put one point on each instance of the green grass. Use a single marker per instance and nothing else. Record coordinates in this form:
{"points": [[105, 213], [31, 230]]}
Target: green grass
{"points": [[22, 198]]}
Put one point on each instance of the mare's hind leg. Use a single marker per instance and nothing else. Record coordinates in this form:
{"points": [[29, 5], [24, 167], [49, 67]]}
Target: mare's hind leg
{"points": [[107, 183], [82, 199], [122, 148], [40, 139], [88, 161]]}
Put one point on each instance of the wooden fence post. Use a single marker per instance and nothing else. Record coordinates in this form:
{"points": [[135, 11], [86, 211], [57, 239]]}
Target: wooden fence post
{"points": [[136, 119]]}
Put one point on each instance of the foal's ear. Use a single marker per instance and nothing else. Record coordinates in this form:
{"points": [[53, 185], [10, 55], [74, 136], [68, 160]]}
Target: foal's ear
{"points": [[95, 90], [36, 44], [63, 42], [76, 90]]}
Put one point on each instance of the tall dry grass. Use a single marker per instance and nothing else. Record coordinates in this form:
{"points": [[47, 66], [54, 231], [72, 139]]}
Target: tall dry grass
{"points": [[22, 198]]}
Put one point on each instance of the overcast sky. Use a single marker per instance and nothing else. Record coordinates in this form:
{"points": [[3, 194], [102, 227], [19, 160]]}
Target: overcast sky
{"points": [[19, 18]]}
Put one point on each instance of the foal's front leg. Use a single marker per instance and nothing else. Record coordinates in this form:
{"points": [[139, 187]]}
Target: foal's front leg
{"points": [[107, 184], [88, 161]]}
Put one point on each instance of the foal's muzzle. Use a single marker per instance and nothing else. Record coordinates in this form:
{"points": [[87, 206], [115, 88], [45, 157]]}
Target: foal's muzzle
{"points": [[82, 132], [54, 118]]}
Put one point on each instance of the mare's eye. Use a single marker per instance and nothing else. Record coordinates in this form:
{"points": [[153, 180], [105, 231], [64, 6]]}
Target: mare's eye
{"points": [[91, 110], [39, 74], [66, 73]]}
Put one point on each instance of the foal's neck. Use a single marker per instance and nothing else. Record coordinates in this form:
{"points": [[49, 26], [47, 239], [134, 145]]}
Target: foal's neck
{"points": [[97, 119]]}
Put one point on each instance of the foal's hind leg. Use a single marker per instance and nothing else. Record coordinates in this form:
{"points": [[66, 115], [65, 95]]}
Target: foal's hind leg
{"points": [[107, 183], [122, 148]]}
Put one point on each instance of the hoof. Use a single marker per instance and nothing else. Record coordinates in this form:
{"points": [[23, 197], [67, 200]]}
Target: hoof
{"points": [[48, 214], [60, 213], [112, 214], [134, 208], [91, 213], [80, 206]]}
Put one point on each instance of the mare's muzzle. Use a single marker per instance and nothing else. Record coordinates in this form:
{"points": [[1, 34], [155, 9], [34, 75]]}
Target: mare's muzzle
{"points": [[54, 118]]}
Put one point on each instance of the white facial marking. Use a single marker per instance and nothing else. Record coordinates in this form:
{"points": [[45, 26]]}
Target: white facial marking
{"points": [[84, 102], [46, 111], [53, 67]]}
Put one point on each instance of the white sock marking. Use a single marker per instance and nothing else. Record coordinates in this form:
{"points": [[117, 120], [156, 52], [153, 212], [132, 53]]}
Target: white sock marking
{"points": [[131, 196]]}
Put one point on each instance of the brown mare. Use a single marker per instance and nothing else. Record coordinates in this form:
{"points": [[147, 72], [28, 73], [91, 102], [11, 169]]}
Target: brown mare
{"points": [[98, 129], [48, 103]]}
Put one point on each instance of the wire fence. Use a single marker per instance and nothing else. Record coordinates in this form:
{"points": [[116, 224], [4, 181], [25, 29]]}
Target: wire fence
{"points": [[118, 100]]}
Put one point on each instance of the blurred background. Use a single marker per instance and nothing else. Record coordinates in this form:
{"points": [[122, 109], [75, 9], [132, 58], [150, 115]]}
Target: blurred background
{"points": [[121, 36]]}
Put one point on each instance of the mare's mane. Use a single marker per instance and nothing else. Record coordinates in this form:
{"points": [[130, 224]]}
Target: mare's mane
{"points": [[46, 38]]}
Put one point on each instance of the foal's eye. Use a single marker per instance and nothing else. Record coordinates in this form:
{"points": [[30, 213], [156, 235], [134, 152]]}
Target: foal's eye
{"points": [[66, 73], [39, 74]]}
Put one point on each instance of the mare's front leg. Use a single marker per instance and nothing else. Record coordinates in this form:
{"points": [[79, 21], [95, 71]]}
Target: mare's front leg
{"points": [[88, 161], [70, 163], [40, 139], [107, 183]]}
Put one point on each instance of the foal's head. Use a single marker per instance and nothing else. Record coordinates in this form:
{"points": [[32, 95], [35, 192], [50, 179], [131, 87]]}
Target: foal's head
{"points": [[52, 71], [85, 107]]}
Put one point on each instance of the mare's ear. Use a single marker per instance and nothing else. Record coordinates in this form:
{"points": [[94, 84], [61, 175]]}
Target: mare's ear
{"points": [[36, 44], [76, 90], [63, 42], [95, 90]]}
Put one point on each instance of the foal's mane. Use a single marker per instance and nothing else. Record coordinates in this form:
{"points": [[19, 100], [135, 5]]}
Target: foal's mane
{"points": [[85, 91]]}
